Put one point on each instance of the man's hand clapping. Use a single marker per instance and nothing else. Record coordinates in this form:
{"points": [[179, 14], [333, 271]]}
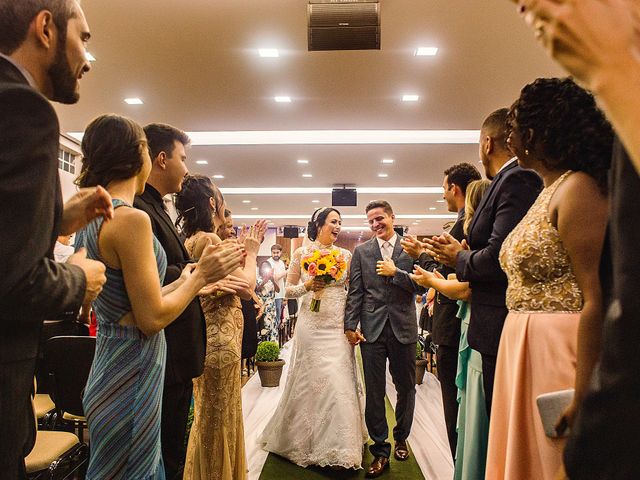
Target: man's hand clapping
{"points": [[412, 246]]}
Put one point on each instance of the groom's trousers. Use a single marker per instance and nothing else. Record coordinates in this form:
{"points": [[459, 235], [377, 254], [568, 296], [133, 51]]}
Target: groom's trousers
{"points": [[402, 365]]}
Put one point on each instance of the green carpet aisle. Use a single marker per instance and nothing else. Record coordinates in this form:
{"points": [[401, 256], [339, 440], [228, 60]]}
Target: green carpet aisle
{"points": [[278, 468]]}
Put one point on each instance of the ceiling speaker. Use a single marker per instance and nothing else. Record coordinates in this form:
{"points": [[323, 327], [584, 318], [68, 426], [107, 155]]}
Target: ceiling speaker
{"points": [[344, 24], [344, 197]]}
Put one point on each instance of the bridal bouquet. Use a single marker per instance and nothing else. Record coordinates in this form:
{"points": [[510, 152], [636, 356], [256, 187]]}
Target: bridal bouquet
{"points": [[323, 264]]}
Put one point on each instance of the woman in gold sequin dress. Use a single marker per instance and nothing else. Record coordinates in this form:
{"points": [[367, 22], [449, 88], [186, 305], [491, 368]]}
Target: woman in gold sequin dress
{"points": [[216, 443], [551, 260]]}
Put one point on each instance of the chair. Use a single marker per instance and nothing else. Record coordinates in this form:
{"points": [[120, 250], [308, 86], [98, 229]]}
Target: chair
{"points": [[68, 361], [56, 455]]}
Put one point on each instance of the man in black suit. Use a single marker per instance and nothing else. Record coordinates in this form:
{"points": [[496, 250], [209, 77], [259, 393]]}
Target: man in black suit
{"points": [[42, 56], [186, 336], [512, 192], [446, 325], [380, 300]]}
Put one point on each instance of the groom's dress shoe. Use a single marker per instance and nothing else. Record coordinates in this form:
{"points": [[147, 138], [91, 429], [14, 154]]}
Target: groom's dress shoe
{"points": [[378, 466], [401, 450]]}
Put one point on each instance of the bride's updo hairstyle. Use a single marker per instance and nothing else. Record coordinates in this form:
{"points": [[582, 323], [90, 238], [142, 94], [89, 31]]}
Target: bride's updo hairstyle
{"points": [[193, 206], [111, 150], [318, 219]]}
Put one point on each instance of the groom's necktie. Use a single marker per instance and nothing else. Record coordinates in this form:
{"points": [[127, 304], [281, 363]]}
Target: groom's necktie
{"points": [[387, 252]]}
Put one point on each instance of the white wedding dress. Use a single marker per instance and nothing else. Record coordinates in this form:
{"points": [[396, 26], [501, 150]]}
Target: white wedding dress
{"points": [[320, 417]]}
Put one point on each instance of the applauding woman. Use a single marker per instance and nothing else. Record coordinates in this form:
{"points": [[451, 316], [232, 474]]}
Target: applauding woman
{"points": [[124, 391]]}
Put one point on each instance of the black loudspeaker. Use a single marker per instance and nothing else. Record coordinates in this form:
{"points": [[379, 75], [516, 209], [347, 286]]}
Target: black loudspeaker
{"points": [[344, 197], [399, 230], [290, 232]]}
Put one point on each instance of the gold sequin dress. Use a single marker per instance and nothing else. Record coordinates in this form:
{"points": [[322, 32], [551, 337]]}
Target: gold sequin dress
{"points": [[216, 443], [537, 352]]}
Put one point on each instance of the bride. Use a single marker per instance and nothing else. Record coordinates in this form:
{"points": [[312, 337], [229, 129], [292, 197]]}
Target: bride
{"points": [[320, 417]]}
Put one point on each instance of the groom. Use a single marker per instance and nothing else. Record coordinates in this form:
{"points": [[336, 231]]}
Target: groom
{"points": [[381, 300]]}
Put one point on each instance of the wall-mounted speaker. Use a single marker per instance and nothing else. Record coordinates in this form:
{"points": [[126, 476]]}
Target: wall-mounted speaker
{"points": [[290, 232], [399, 230], [344, 197], [344, 24]]}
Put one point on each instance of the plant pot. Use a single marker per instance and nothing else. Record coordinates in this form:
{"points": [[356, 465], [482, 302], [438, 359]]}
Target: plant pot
{"points": [[421, 366], [270, 373]]}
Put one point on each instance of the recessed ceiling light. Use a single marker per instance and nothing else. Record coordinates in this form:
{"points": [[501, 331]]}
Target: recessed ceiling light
{"points": [[282, 99], [268, 52], [303, 162], [315, 201], [133, 101], [439, 201], [410, 98], [202, 162], [246, 201], [426, 51], [387, 160], [254, 208], [307, 175], [89, 57], [218, 176], [383, 175], [432, 208]]}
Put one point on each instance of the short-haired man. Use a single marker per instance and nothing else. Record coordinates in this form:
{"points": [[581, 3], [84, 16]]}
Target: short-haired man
{"points": [[186, 336], [279, 274], [42, 57], [512, 192], [446, 325], [380, 300]]}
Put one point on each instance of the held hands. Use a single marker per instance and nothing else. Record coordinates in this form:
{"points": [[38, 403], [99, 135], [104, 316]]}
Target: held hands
{"points": [[354, 337], [445, 248], [93, 271], [412, 246], [386, 268], [83, 207]]}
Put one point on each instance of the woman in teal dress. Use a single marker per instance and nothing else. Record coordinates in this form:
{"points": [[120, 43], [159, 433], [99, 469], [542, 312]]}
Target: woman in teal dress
{"points": [[123, 395], [473, 422]]}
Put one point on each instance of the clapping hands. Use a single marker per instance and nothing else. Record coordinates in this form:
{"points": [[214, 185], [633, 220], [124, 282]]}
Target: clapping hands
{"points": [[412, 246], [424, 277], [444, 248]]}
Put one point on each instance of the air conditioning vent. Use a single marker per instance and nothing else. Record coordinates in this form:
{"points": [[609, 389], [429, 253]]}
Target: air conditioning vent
{"points": [[344, 25]]}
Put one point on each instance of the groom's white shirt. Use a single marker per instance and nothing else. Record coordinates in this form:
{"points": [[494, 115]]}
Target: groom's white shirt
{"points": [[392, 241]]}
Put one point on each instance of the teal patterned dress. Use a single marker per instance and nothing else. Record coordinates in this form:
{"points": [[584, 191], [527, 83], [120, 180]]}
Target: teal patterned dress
{"points": [[123, 395]]}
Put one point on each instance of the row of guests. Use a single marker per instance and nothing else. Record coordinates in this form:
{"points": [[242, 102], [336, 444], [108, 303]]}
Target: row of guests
{"points": [[528, 261], [142, 252]]}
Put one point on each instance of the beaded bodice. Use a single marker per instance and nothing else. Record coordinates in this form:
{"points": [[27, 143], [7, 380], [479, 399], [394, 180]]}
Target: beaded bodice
{"points": [[537, 264]]}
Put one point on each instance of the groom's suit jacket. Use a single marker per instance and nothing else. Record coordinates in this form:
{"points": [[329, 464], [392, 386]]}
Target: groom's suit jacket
{"points": [[373, 300]]}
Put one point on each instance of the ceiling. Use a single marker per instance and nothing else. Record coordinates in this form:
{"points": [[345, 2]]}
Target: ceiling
{"points": [[195, 65]]}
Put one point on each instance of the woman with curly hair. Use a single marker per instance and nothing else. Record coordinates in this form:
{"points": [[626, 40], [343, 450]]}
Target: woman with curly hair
{"points": [[550, 338]]}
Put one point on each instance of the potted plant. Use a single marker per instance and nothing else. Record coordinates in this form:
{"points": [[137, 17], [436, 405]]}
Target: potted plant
{"points": [[421, 364], [268, 363]]}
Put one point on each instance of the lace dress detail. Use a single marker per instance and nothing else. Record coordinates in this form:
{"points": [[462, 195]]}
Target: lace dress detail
{"points": [[537, 264], [320, 417]]}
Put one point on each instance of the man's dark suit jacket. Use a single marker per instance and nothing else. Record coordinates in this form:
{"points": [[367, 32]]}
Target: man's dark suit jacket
{"points": [[33, 286], [446, 326], [186, 336], [506, 201], [373, 300]]}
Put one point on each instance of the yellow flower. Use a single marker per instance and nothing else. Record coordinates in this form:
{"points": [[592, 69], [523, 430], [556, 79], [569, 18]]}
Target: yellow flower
{"points": [[323, 266]]}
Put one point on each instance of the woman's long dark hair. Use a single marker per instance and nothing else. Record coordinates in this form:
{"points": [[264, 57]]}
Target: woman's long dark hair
{"points": [[193, 206], [561, 123], [318, 219]]}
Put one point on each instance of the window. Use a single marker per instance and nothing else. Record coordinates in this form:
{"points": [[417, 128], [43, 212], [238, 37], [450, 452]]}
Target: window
{"points": [[66, 161]]}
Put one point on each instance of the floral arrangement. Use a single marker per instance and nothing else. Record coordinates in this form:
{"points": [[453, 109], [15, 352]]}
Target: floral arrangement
{"points": [[324, 264]]}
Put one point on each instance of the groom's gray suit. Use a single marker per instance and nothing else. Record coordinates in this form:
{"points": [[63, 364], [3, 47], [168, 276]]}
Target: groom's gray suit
{"points": [[384, 308]]}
